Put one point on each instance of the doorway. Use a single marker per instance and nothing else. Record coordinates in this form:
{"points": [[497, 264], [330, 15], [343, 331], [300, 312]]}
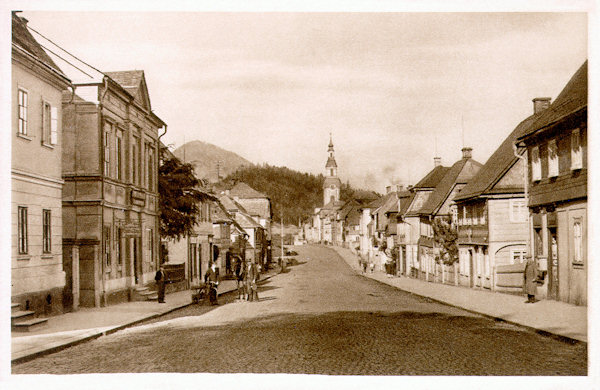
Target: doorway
{"points": [[136, 260], [471, 269], [552, 263]]}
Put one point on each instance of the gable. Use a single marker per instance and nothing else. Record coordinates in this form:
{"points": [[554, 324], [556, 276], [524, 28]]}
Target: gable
{"points": [[419, 200], [511, 181]]}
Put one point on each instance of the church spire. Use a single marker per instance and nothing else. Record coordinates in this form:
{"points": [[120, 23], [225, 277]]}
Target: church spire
{"points": [[332, 184]]}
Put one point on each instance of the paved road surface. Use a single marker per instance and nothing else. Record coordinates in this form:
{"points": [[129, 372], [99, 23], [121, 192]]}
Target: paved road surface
{"points": [[322, 318]]}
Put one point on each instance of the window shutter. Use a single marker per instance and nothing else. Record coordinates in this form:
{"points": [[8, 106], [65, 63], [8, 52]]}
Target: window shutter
{"points": [[53, 125]]}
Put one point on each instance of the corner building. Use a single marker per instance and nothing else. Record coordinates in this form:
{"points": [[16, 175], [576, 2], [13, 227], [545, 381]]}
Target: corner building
{"points": [[37, 276], [110, 197]]}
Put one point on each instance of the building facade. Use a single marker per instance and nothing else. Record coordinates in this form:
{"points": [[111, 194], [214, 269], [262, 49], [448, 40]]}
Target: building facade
{"points": [[110, 199], [37, 276], [556, 149]]}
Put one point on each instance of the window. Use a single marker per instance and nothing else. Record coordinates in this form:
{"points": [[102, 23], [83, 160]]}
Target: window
{"points": [[135, 161], [576, 153], [518, 210], [22, 229], [536, 165], [107, 130], [331, 172], [49, 124], [150, 245], [517, 256], [577, 241], [150, 166], [454, 215], [552, 158], [23, 101], [119, 234], [47, 231], [483, 215], [119, 154], [107, 259]]}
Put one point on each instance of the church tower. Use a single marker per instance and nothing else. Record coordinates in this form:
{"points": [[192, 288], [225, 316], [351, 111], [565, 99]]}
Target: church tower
{"points": [[332, 184]]}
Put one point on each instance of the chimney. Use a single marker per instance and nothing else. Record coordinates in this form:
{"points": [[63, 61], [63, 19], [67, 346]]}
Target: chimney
{"points": [[388, 189], [466, 151], [437, 161], [540, 104]]}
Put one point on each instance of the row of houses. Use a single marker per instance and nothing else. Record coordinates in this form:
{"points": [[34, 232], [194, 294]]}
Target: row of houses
{"points": [[474, 224], [84, 190]]}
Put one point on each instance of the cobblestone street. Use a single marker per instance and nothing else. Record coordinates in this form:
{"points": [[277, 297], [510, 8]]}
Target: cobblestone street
{"points": [[322, 318]]}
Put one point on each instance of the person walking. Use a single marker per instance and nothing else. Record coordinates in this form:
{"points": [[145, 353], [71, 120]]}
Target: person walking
{"points": [[240, 276], [251, 279], [160, 282], [212, 281], [529, 280]]}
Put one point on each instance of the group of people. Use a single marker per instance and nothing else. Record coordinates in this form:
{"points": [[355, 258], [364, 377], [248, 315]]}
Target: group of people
{"points": [[247, 275]]}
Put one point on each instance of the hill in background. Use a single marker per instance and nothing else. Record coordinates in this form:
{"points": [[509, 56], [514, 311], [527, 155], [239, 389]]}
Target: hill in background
{"points": [[205, 157], [293, 193]]}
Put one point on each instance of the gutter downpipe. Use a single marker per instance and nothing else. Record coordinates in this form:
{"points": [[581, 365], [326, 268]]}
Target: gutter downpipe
{"points": [[523, 157]]}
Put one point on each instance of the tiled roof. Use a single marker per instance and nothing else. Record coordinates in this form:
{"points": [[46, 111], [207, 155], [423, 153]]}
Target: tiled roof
{"points": [[497, 165], [128, 79], [432, 179], [244, 191], [572, 98], [247, 221], [406, 198], [23, 38], [261, 209], [461, 172]]}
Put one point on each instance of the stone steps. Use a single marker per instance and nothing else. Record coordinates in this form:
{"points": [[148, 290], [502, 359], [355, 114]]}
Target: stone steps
{"points": [[24, 320], [144, 294]]}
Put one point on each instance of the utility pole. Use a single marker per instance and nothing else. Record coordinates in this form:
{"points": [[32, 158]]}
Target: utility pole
{"points": [[282, 259]]}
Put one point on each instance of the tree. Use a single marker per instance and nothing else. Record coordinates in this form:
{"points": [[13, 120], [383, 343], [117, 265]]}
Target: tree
{"points": [[445, 236], [179, 198]]}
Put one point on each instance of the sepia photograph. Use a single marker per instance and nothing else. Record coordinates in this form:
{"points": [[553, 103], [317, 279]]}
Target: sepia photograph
{"points": [[289, 198]]}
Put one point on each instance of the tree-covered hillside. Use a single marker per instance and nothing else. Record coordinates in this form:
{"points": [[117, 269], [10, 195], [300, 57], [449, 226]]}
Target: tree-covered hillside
{"points": [[295, 193]]}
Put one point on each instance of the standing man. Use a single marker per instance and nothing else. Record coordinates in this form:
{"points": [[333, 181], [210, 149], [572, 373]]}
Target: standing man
{"points": [[529, 280], [160, 282], [251, 278]]}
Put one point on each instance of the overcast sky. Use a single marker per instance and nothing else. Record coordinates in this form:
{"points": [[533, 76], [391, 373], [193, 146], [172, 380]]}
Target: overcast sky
{"points": [[390, 87]]}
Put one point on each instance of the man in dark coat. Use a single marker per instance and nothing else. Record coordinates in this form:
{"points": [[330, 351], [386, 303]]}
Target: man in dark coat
{"points": [[529, 282], [251, 279], [160, 282], [211, 278]]}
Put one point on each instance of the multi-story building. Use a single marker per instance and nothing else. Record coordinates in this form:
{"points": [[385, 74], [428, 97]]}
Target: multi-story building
{"points": [[491, 217], [37, 276], [557, 165], [110, 199]]}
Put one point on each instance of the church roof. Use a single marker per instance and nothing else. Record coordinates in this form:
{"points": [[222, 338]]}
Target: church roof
{"points": [[331, 163], [332, 180]]}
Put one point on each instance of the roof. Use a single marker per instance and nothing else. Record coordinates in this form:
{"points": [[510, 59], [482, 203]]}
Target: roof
{"points": [[262, 209], [572, 98], [497, 165], [333, 205], [332, 180], [130, 80], [246, 221], [23, 38], [244, 191], [461, 172], [432, 179], [230, 204], [364, 196], [331, 163], [406, 198]]}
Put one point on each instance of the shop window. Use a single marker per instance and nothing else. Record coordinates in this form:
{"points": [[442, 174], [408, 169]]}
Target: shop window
{"points": [[577, 241], [576, 152], [536, 164]]}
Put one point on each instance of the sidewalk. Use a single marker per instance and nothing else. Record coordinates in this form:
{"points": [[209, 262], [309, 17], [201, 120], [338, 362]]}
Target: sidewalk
{"points": [[85, 324], [553, 317]]}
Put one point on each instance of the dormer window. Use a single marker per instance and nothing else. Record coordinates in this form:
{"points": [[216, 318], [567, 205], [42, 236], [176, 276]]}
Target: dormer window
{"points": [[576, 152], [536, 165], [552, 158]]}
